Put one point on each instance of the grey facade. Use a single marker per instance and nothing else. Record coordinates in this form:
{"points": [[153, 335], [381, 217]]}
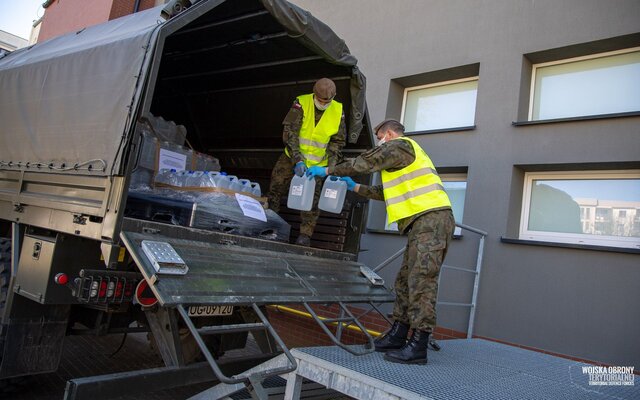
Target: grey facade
{"points": [[578, 301]]}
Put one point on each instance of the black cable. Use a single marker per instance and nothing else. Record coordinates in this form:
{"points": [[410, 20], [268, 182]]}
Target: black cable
{"points": [[124, 338]]}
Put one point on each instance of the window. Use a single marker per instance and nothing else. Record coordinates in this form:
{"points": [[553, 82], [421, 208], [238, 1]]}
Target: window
{"points": [[594, 208], [456, 187], [442, 105], [604, 83]]}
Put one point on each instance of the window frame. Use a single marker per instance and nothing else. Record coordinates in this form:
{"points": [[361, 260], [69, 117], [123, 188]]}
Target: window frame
{"points": [[438, 84], [535, 67], [572, 238]]}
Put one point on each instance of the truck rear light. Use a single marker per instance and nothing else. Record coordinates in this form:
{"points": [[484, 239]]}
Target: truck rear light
{"points": [[118, 289], [61, 279], [128, 290], [106, 287], [103, 290], [94, 288]]}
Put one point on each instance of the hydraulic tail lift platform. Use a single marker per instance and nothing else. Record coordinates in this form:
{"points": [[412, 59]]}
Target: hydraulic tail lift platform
{"points": [[226, 274]]}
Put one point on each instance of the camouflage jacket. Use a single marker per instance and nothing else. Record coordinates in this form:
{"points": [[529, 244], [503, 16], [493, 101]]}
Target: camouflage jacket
{"points": [[391, 156], [291, 134]]}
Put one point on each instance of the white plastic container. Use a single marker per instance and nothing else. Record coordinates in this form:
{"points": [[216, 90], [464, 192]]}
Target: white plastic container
{"points": [[234, 183], [222, 180], [209, 179], [165, 176], [255, 189], [193, 179], [301, 193], [180, 178], [246, 185], [332, 195]]}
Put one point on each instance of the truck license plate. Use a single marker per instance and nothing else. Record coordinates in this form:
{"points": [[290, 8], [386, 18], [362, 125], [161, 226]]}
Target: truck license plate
{"points": [[210, 311]]}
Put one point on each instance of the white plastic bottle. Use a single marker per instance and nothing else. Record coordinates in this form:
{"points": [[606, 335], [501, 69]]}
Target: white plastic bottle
{"points": [[209, 179], [193, 179], [332, 195], [180, 178], [163, 176], [255, 189], [222, 180], [301, 193], [234, 183], [246, 185]]}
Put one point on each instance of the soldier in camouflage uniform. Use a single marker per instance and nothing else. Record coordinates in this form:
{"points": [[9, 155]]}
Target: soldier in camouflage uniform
{"points": [[293, 160], [429, 224]]}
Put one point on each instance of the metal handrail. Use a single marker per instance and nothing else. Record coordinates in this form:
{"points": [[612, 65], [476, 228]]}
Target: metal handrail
{"points": [[476, 271]]}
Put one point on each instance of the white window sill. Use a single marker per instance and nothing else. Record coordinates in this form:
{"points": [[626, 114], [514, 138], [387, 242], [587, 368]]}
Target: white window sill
{"points": [[573, 119], [570, 245]]}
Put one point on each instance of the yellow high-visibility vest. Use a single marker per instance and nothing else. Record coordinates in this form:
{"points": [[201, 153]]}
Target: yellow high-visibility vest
{"points": [[314, 139], [413, 189]]}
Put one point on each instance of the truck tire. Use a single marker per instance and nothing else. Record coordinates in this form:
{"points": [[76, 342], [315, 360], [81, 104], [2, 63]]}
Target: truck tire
{"points": [[11, 384]]}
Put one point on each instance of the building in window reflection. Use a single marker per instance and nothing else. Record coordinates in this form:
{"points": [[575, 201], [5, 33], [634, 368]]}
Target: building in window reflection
{"points": [[609, 217]]}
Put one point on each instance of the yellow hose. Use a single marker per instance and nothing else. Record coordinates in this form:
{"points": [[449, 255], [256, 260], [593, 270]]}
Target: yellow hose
{"points": [[307, 315]]}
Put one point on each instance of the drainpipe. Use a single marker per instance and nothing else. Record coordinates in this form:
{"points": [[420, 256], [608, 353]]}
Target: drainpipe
{"points": [[136, 6]]}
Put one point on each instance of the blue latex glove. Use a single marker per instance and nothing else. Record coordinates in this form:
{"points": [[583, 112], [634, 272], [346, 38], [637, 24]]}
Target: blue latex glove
{"points": [[351, 185], [299, 169], [317, 171]]}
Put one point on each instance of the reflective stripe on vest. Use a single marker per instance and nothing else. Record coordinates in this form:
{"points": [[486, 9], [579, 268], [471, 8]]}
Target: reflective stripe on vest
{"points": [[314, 139], [413, 189]]}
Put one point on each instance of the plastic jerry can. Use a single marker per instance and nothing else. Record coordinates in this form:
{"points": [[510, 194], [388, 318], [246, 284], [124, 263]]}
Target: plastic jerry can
{"points": [[165, 176], [246, 185], [193, 179], [234, 183], [332, 195], [301, 193], [255, 189], [181, 178], [222, 181], [209, 179]]}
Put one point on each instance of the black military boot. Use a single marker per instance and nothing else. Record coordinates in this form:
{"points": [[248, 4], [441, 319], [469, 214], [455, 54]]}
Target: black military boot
{"points": [[303, 240], [414, 352], [395, 338]]}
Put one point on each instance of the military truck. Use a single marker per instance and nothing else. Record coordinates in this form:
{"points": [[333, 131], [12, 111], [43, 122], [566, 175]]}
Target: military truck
{"points": [[72, 259]]}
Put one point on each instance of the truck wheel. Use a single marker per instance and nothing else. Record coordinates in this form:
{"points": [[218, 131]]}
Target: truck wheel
{"points": [[11, 384]]}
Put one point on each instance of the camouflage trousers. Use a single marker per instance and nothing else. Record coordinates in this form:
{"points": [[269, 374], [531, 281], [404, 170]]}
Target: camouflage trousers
{"points": [[280, 180], [417, 281]]}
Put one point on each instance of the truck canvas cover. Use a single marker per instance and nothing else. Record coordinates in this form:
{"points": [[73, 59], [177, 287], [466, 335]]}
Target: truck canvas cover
{"points": [[71, 102]]}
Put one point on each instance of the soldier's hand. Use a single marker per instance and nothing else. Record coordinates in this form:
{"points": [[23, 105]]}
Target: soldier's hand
{"points": [[351, 185], [300, 168], [317, 171]]}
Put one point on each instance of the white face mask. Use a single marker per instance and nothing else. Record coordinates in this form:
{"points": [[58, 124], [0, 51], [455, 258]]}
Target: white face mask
{"points": [[382, 141], [321, 106]]}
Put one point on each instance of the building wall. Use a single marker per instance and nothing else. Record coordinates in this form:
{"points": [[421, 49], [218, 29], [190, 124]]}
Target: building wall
{"points": [[121, 8], [62, 17], [11, 42], [35, 31], [574, 301], [72, 15]]}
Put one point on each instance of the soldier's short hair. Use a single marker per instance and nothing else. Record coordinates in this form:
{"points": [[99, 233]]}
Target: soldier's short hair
{"points": [[325, 89], [392, 124]]}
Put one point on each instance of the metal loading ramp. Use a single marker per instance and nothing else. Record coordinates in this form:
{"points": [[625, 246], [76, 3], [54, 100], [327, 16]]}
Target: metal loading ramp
{"points": [[199, 273], [463, 369]]}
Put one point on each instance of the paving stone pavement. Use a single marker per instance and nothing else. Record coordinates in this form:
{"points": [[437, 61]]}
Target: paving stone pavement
{"points": [[88, 356]]}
